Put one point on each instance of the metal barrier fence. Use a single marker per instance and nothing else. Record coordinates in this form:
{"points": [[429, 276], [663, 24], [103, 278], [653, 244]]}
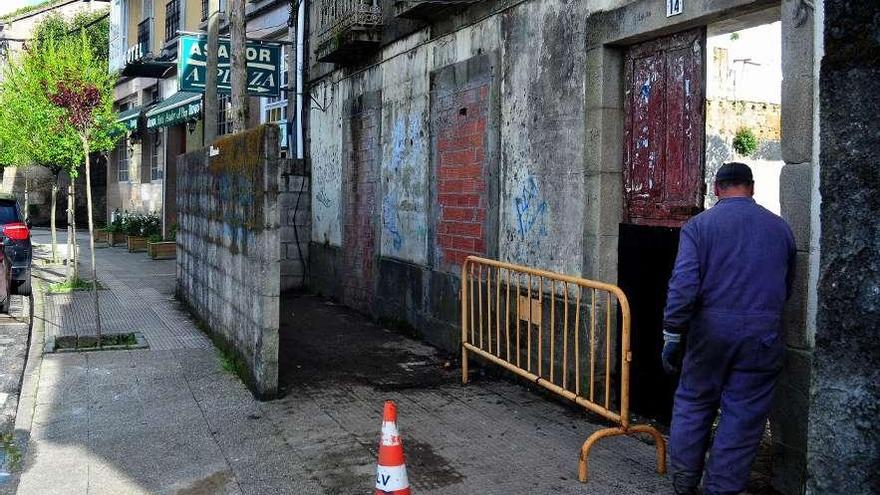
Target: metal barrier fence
{"points": [[554, 329]]}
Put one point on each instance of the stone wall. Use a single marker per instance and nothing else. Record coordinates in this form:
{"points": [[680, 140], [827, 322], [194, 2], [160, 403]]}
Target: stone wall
{"points": [[723, 119], [228, 244], [38, 181], [844, 443]]}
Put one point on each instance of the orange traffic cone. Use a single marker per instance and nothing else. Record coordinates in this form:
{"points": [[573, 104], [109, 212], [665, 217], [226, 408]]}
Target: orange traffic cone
{"points": [[391, 473]]}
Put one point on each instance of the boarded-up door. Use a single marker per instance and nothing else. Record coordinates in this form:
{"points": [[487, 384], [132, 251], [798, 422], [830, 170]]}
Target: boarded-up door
{"points": [[664, 130]]}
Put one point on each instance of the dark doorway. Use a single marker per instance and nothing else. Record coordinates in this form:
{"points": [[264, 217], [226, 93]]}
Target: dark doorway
{"points": [[649, 253], [663, 187]]}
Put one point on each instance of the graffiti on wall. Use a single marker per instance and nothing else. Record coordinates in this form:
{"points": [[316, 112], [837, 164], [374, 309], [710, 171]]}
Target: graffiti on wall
{"points": [[325, 147], [529, 231], [404, 175], [530, 209]]}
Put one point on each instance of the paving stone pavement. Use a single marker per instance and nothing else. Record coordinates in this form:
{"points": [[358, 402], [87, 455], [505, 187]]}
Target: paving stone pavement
{"points": [[170, 419]]}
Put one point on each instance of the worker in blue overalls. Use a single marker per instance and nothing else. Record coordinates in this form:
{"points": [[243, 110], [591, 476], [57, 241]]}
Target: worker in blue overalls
{"points": [[731, 279]]}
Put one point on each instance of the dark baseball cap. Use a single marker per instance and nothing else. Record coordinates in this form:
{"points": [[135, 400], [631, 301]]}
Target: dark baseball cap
{"points": [[734, 171]]}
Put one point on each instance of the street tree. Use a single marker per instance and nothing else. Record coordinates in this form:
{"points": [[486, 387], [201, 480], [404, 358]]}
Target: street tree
{"points": [[80, 85], [29, 133], [29, 130], [95, 27]]}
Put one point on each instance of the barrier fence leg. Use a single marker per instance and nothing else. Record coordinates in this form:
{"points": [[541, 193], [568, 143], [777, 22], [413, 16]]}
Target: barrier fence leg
{"points": [[464, 366], [659, 442], [583, 464]]}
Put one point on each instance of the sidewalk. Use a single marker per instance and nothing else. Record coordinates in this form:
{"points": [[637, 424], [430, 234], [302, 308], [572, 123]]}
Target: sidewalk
{"points": [[170, 419], [143, 421]]}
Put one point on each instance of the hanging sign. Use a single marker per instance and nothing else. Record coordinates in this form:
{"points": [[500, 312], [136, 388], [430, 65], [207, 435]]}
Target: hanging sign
{"points": [[263, 66]]}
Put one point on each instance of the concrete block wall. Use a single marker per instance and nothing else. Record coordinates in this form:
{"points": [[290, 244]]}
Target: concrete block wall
{"points": [[228, 244], [294, 201]]}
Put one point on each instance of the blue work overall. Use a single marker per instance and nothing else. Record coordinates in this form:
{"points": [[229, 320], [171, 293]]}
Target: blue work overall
{"points": [[730, 282]]}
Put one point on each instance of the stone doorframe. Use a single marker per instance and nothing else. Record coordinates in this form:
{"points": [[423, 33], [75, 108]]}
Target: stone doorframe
{"points": [[607, 36]]}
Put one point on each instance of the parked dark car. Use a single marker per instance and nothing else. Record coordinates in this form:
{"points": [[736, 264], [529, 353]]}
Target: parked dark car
{"points": [[15, 235]]}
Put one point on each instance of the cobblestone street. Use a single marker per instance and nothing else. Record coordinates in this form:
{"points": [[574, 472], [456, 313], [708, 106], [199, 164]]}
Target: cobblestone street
{"points": [[171, 419]]}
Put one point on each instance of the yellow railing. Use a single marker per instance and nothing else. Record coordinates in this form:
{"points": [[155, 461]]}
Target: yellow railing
{"points": [[553, 330]]}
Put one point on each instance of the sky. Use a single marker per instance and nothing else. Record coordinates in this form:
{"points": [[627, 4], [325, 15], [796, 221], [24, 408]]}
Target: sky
{"points": [[10, 5]]}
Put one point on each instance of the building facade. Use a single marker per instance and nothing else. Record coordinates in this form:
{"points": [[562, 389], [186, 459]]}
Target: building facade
{"points": [[565, 136], [161, 121]]}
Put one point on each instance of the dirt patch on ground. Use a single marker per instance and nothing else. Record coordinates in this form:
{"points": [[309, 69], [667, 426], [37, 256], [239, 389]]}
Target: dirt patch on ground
{"points": [[322, 343]]}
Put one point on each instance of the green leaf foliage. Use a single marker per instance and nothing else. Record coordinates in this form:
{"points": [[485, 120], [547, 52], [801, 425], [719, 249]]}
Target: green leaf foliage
{"points": [[744, 142], [33, 129]]}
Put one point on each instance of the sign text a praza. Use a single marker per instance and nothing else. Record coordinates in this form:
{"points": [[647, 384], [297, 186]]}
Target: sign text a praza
{"points": [[263, 66]]}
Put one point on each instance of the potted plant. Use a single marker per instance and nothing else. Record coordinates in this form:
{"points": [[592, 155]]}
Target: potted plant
{"points": [[163, 249], [115, 235], [133, 227], [102, 235]]}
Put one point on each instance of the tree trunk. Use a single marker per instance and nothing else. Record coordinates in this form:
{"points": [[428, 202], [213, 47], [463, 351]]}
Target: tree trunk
{"points": [[238, 62], [69, 255], [52, 220], [74, 244], [85, 143]]}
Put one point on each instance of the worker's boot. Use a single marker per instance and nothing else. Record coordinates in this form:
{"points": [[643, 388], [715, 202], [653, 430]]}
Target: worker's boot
{"points": [[686, 483]]}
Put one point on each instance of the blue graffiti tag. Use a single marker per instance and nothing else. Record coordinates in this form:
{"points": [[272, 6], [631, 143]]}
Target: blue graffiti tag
{"points": [[389, 221], [530, 209]]}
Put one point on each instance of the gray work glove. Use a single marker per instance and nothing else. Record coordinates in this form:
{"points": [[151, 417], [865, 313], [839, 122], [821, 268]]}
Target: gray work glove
{"points": [[672, 354]]}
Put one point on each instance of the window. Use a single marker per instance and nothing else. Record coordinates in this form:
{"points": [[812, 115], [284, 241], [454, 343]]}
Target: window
{"points": [[224, 114], [123, 158], [154, 94], [144, 28], [156, 172], [172, 19], [275, 107]]}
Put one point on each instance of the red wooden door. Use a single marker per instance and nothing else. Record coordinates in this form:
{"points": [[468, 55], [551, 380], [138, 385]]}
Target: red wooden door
{"points": [[664, 130]]}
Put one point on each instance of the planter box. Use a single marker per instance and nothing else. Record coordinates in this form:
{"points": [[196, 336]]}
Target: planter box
{"points": [[115, 238], [136, 243], [102, 235], [164, 250]]}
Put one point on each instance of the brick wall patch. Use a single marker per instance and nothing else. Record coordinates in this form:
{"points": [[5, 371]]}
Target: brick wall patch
{"points": [[460, 152]]}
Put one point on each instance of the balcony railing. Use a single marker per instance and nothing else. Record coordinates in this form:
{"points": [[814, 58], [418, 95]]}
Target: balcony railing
{"points": [[145, 35], [172, 19], [347, 27]]}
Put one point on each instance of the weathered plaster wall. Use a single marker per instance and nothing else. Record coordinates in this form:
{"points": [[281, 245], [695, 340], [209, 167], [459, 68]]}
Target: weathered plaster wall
{"points": [[443, 107], [404, 158], [228, 245], [542, 132], [844, 443]]}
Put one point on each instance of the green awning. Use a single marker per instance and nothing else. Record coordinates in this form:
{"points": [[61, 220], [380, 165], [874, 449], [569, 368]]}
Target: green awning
{"points": [[129, 118], [179, 107]]}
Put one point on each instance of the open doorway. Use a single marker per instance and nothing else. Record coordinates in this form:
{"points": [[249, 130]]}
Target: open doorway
{"points": [[743, 105], [693, 100]]}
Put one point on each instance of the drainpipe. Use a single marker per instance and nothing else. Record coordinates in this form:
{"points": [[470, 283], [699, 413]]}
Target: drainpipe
{"points": [[300, 64]]}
